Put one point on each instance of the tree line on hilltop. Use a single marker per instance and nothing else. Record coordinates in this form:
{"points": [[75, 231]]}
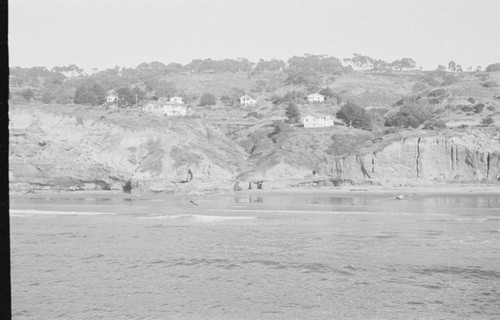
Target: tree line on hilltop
{"points": [[70, 84]]}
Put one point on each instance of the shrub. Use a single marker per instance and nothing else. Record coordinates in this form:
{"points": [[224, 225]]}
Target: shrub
{"points": [[449, 79], [392, 130], [27, 94], [491, 108], [207, 99], [254, 114], [417, 87], [434, 124], [435, 100], [288, 97], [431, 81], [281, 130], [489, 84], [355, 116], [17, 99], [466, 108], [493, 67], [437, 93], [487, 121], [327, 92], [478, 108], [482, 75], [412, 114], [471, 100]]}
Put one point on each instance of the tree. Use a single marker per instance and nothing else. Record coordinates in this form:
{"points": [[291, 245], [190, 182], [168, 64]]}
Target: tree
{"points": [[69, 71], [405, 63], [161, 88], [440, 71], [207, 99], [327, 92], [138, 93], [127, 96], [492, 67], [48, 94], [174, 67], [354, 116], [90, 93], [452, 66], [292, 113], [271, 65]]}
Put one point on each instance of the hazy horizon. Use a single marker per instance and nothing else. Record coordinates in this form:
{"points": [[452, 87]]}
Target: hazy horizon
{"points": [[126, 33]]}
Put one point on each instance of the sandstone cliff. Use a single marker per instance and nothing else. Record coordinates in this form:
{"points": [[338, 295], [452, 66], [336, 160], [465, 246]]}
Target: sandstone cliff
{"points": [[77, 147], [423, 157], [71, 148]]}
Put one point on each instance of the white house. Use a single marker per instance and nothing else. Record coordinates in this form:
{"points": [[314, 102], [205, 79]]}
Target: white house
{"points": [[177, 99], [246, 100], [317, 121], [315, 97], [167, 108], [111, 98]]}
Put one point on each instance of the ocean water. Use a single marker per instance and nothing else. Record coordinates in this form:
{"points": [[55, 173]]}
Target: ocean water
{"points": [[255, 256]]}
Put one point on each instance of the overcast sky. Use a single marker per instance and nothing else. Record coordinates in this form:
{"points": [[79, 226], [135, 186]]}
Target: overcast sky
{"points": [[106, 33]]}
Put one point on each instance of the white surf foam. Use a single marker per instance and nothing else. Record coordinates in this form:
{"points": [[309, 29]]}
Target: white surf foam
{"points": [[18, 212], [169, 216]]}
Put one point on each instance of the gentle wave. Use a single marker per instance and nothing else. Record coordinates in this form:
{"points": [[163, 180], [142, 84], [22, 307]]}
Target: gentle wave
{"points": [[219, 218], [202, 218], [468, 272], [18, 213], [327, 211]]}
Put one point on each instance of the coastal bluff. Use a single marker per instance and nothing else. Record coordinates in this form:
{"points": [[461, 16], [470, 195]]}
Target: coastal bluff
{"points": [[84, 148], [421, 157], [65, 148]]}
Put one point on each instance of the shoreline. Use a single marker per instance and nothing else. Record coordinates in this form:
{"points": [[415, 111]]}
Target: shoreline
{"points": [[445, 189]]}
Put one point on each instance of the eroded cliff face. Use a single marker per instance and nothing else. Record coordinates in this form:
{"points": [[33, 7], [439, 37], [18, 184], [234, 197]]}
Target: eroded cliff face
{"points": [[79, 148], [419, 158], [56, 151]]}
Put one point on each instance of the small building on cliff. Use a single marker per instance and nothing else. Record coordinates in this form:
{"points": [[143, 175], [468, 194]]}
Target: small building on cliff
{"points": [[112, 98], [317, 121], [315, 98], [167, 108], [246, 101]]}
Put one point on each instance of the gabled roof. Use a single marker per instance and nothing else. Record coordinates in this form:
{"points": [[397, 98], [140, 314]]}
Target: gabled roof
{"points": [[246, 96], [316, 94], [316, 115], [166, 103]]}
